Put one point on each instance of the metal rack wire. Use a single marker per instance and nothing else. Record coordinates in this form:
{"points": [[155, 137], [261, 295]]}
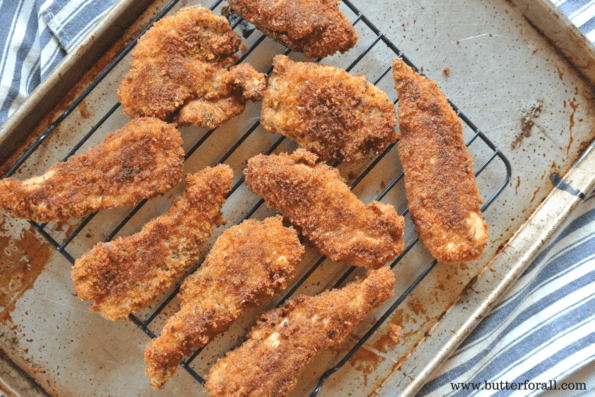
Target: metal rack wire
{"points": [[358, 18]]}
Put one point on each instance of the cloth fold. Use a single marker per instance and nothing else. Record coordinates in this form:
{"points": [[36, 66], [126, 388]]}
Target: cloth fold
{"points": [[36, 36]]}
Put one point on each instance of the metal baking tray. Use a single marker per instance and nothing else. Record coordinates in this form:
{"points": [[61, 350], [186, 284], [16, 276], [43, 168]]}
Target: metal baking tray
{"points": [[48, 336]]}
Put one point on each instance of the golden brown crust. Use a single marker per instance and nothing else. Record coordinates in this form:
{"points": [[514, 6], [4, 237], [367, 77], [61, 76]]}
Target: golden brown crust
{"points": [[328, 111], [315, 27], [284, 340], [248, 264], [125, 275], [440, 183], [321, 206], [138, 161], [185, 63]]}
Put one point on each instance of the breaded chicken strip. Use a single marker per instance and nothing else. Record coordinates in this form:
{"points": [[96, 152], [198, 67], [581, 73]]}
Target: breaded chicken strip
{"points": [[315, 27], [321, 206], [139, 161], [248, 264], [184, 64], [285, 340], [440, 183], [328, 111], [124, 276]]}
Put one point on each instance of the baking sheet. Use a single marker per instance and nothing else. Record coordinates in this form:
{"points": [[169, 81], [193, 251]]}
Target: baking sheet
{"points": [[502, 71]]}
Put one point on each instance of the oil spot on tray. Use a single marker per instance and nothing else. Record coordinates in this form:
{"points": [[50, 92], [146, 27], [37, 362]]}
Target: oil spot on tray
{"points": [[69, 228], [396, 322], [83, 109], [535, 194], [392, 337], [22, 260], [366, 361], [416, 307], [560, 74], [529, 113], [574, 106]]}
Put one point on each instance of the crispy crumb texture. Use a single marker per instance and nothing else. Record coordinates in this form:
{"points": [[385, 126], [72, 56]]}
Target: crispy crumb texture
{"points": [[284, 340], [138, 161], [248, 264], [328, 111], [316, 28], [182, 70], [124, 276], [442, 194], [324, 210]]}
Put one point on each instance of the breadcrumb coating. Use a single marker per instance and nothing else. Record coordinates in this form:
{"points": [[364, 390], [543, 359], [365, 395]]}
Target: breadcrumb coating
{"points": [[248, 264], [328, 111], [442, 193], [138, 161], [124, 276], [185, 63], [284, 340], [321, 206], [315, 27]]}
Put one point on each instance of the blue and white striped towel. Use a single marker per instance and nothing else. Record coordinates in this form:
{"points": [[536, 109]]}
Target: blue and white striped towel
{"points": [[543, 329], [35, 37], [581, 13]]}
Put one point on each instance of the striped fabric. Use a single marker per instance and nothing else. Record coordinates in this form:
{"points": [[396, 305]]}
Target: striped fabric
{"points": [[581, 13], [542, 330], [36, 35]]}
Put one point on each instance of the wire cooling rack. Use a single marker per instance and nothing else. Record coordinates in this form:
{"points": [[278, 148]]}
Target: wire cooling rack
{"points": [[478, 137]]}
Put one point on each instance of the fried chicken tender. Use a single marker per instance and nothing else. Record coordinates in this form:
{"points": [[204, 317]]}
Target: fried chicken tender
{"points": [[139, 161], [328, 111], [442, 194], [124, 276], [315, 27], [284, 340], [248, 264], [185, 63], [321, 206]]}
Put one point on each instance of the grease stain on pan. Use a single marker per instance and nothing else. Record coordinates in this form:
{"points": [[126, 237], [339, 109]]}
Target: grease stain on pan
{"points": [[82, 107], [366, 361], [528, 116], [412, 324], [574, 106], [392, 337], [22, 260], [69, 228]]}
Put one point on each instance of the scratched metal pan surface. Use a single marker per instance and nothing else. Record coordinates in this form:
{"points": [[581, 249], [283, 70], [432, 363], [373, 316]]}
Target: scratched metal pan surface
{"points": [[506, 77]]}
